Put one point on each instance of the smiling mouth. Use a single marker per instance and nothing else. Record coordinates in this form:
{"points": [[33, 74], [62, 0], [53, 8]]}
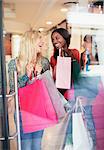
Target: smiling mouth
{"points": [[57, 45]]}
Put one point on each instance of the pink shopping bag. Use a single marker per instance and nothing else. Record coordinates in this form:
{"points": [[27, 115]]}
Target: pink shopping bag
{"points": [[54, 94], [63, 72], [36, 107], [98, 116]]}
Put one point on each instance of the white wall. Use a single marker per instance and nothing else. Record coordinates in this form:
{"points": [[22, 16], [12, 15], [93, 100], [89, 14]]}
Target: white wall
{"points": [[15, 45]]}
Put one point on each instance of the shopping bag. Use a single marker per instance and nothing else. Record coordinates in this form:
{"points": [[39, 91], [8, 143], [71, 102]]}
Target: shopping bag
{"points": [[36, 108], [81, 137], [63, 72], [54, 94], [68, 147], [68, 139], [11, 111], [54, 137]]}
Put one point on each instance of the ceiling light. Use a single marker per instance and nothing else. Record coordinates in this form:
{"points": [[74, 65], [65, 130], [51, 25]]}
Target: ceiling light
{"points": [[49, 22], [64, 9], [41, 29], [4, 32]]}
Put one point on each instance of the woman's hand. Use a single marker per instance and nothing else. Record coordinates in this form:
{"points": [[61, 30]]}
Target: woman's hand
{"points": [[38, 68], [29, 69]]}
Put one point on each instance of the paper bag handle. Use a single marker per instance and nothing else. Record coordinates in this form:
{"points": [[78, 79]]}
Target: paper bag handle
{"points": [[79, 104], [60, 52]]}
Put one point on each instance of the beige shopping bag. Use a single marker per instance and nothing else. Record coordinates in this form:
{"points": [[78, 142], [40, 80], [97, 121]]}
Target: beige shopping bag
{"points": [[54, 137], [11, 110], [12, 125]]}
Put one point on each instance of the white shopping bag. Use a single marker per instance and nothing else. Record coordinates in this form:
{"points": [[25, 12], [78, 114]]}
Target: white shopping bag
{"points": [[68, 147], [81, 137], [63, 72]]}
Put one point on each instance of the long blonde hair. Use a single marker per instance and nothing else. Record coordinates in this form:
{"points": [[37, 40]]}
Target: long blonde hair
{"points": [[27, 52]]}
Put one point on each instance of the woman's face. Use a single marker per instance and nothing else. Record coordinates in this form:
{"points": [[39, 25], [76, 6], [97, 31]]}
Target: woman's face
{"points": [[58, 41]]}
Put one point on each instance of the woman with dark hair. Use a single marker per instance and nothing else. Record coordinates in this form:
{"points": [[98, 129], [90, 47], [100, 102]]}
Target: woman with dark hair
{"points": [[80, 86], [86, 56], [61, 40]]}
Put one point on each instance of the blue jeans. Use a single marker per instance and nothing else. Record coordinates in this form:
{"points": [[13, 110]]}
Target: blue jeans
{"points": [[30, 141]]}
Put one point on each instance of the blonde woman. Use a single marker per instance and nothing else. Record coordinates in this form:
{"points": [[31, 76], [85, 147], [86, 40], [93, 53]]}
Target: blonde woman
{"points": [[26, 69]]}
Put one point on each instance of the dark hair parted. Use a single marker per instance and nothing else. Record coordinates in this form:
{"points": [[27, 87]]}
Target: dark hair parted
{"points": [[87, 38], [64, 33]]}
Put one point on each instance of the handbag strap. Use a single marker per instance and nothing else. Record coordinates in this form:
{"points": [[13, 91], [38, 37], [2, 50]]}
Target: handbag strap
{"points": [[60, 52], [78, 104]]}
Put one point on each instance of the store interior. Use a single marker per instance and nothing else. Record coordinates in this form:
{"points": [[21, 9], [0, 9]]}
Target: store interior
{"points": [[33, 29], [37, 24], [28, 24]]}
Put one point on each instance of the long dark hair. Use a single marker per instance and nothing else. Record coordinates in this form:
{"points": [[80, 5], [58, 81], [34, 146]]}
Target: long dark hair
{"points": [[64, 33], [81, 60]]}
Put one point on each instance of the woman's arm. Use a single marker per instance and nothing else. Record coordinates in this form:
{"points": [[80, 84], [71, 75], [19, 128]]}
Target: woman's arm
{"points": [[22, 80], [53, 63], [11, 69]]}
